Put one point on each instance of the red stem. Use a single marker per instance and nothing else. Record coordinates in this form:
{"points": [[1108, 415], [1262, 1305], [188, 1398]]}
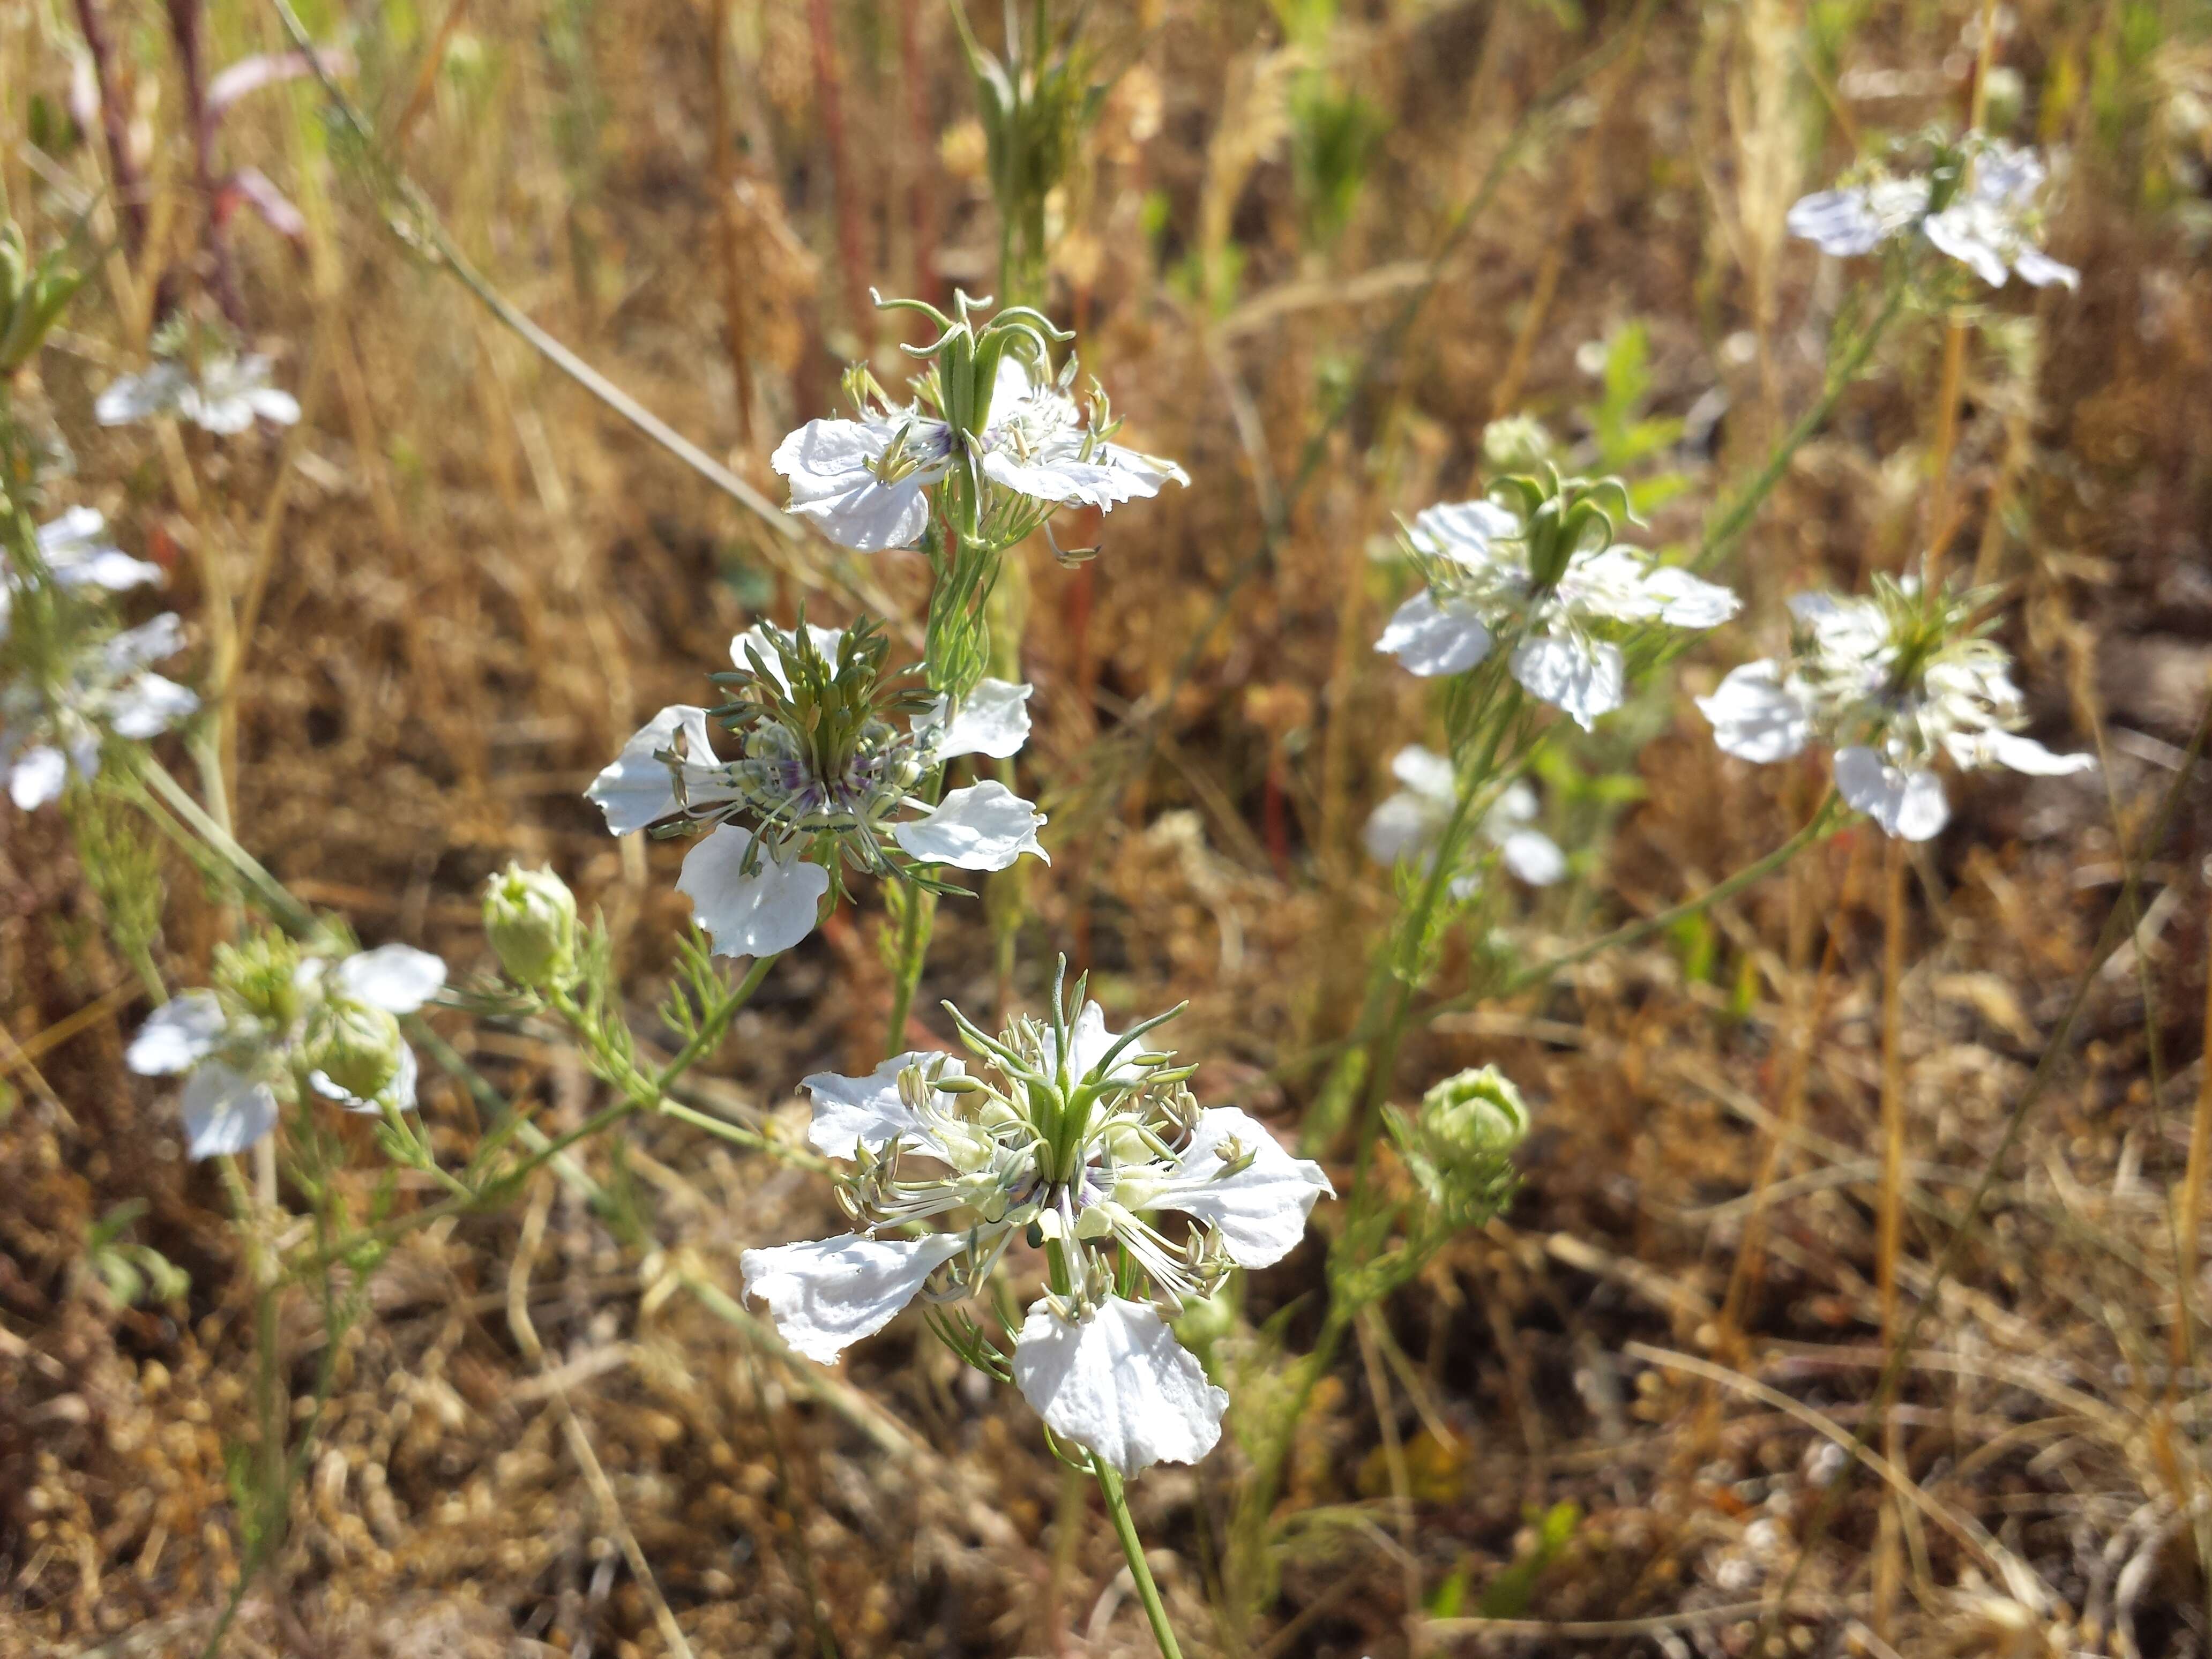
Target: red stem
{"points": [[130, 192], [221, 278]]}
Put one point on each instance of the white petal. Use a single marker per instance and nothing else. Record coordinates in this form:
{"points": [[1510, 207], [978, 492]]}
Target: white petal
{"points": [[1690, 601], [140, 397], [79, 528], [1836, 221], [828, 1293], [1148, 473], [1426, 773], [1907, 804], [994, 720], [1064, 480], [1260, 1211], [148, 642], [2038, 269], [1428, 639], [37, 777], [224, 1111], [1118, 1382], [766, 641], [274, 404], [1755, 716], [107, 568], [177, 1036], [1533, 856], [750, 915], [149, 705], [397, 978], [1959, 233], [852, 1112], [2026, 755], [986, 826], [1463, 531], [1583, 679], [1401, 825], [636, 789], [831, 465]]}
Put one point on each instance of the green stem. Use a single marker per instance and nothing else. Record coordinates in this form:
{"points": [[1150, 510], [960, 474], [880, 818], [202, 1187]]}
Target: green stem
{"points": [[918, 913], [1132, 1547], [292, 915]]}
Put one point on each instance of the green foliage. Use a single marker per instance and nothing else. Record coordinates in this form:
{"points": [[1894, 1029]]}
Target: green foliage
{"points": [[1334, 135], [1627, 438], [1508, 1593], [33, 293], [133, 1272]]}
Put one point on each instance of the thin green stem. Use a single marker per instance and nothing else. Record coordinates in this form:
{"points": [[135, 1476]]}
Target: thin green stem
{"points": [[1737, 517], [1132, 1547], [918, 913], [292, 915]]}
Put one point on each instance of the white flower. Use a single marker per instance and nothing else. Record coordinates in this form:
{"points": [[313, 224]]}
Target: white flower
{"points": [[1987, 223], [1406, 824], [229, 392], [77, 554], [282, 1018], [1560, 590], [863, 482], [1071, 1137], [827, 777], [1026, 447], [52, 724], [1895, 682]]}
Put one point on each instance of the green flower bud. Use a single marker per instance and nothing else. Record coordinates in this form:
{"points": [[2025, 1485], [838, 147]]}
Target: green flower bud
{"points": [[356, 1046], [530, 917], [260, 977], [1472, 1113], [1203, 1322], [1458, 1147], [1518, 443]]}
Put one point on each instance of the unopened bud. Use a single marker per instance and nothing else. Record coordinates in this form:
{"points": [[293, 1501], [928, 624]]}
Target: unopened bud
{"points": [[356, 1046], [1474, 1112], [1518, 443], [261, 977], [530, 917]]}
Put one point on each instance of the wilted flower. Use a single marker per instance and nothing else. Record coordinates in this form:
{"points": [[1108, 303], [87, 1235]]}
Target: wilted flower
{"points": [[529, 918], [826, 776], [54, 713], [281, 1018], [1077, 1141], [990, 421], [1893, 681], [1407, 824], [1978, 204], [223, 397], [1548, 580]]}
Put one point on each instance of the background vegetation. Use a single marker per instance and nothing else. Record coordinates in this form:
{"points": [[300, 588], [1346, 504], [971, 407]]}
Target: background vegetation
{"points": [[1311, 249]]}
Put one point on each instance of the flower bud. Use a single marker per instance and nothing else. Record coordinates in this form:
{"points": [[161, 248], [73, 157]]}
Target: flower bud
{"points": [[1474, 1112], [261, 977], [356, 1046], [1516, 444], [530, 917]]}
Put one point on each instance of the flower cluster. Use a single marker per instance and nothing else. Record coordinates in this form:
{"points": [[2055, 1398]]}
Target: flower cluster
{"points": [[283, 1019], [835, 756], [1977, 204], [1893, 681], [1408, 823], [1540, 571], [70, 681], [992, 428], [1078, 1141]]}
